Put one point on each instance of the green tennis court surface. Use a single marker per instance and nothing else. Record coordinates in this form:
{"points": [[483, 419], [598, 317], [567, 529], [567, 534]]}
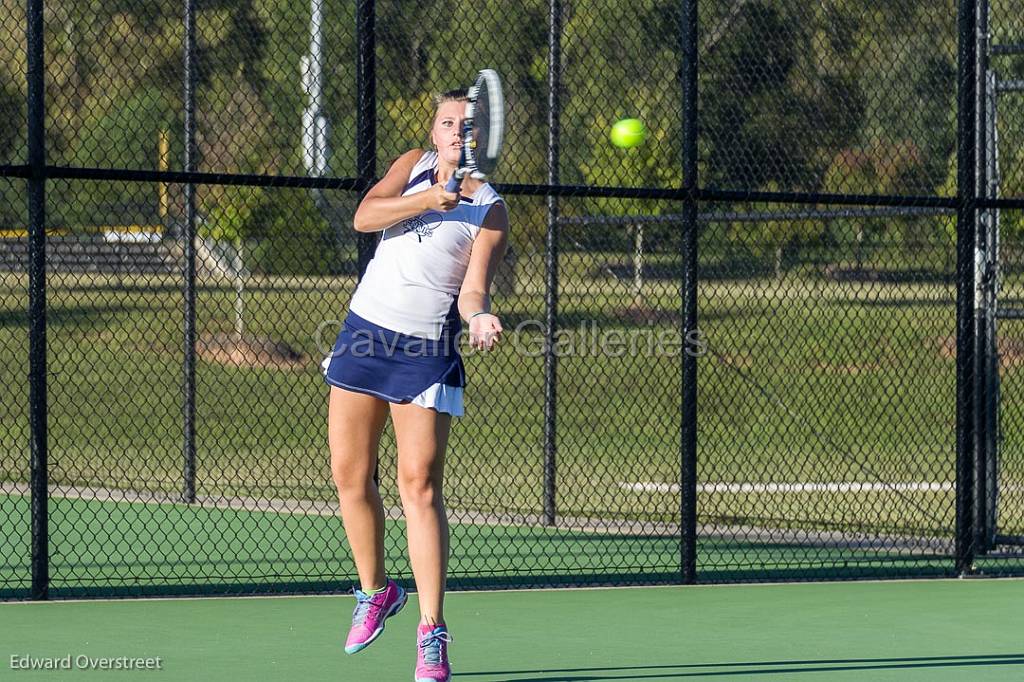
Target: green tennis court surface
{"points": [[928, 630]]}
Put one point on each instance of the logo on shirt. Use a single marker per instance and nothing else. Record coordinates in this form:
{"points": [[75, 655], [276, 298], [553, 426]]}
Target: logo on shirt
{"points": [[420, 226]]}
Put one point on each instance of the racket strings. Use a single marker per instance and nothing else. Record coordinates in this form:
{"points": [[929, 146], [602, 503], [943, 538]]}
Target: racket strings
{"points": [[481, 127]]}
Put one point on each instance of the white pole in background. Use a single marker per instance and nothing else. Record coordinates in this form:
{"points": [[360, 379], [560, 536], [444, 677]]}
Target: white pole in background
{"points": [[315, 129]]}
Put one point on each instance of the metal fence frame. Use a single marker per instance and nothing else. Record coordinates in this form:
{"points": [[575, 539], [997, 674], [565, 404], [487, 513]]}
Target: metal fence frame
{"points": [[973, 387]]}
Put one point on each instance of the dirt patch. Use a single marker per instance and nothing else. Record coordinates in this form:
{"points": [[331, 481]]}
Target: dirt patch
{"points": [[224, 348], [848, 368]]}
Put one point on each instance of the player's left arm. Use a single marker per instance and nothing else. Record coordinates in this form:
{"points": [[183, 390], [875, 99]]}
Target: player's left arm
{"points": [[488, 251]]}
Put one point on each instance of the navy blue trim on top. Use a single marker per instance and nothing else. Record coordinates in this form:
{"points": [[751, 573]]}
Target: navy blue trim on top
{"points": [[453, 317], [432, 174], [423, 175]]}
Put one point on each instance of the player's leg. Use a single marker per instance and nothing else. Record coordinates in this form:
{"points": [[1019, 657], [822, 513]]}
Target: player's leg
{"points": [[422, 436], [355, 424]]}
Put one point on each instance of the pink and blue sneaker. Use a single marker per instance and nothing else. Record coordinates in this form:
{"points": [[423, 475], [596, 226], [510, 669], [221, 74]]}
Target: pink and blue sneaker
{"points": [[371, 612], [432, 654]]}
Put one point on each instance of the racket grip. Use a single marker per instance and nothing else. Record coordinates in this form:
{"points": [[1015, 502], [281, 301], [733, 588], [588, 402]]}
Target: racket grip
{"points": [[454, 183]]}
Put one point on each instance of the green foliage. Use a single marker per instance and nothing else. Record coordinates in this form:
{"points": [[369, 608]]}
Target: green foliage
{"points": [[844, 96], [231, 218], [13, 213], [12, 134], [294, 239], [283, 232], [12, 151], [773, 115]]}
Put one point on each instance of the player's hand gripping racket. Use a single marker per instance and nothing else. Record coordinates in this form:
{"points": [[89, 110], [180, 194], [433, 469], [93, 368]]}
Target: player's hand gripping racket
{"points": [[482, 130]]}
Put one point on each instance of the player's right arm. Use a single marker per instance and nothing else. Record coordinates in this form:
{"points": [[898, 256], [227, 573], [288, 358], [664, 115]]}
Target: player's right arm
{"points": [[384, 205]]}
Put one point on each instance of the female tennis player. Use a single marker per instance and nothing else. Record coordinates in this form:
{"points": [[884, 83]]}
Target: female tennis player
{"points": [[398, 352]]}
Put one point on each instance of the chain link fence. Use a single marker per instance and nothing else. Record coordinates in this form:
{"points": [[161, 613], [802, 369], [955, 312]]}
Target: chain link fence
{"points": [[856, 411]]}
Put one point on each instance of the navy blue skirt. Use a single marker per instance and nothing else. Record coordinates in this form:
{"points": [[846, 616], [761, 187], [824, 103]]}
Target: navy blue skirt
{"points": [[393, 366]]}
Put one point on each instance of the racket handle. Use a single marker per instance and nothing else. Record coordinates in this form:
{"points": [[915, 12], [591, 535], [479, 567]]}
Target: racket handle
{"points": [[454, 183]]}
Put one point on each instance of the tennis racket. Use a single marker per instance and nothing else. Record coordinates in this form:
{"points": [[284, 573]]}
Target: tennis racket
{"points": [[482, 130]]}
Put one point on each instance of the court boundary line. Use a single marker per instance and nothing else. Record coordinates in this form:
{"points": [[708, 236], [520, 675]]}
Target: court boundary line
{"points": [[772, 487]]}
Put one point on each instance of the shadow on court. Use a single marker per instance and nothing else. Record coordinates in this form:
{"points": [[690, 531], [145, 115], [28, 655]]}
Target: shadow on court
{"points": [[697, 670]]}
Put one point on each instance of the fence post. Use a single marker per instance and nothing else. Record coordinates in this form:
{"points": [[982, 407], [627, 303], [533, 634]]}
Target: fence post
{"points": [[366, 113], [984, 277], [366, 127], [188, 493], [551, 259], [967, 253], [688, 440], [37, 388], [991, 354]]}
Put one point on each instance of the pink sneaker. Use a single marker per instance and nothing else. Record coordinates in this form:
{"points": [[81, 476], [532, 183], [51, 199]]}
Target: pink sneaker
{"points": [[432, 654], [370, 614]]}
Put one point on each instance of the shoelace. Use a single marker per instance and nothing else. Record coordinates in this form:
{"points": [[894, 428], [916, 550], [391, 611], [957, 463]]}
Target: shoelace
{"points": [[431, 645], [364, 603]]}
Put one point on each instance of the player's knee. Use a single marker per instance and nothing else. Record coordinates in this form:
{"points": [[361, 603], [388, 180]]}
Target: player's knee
{"points": [[349, 477], [419, 486]]}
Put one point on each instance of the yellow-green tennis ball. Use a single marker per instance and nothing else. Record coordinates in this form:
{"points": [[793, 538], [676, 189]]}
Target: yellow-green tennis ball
{"points": [[628, 132]]}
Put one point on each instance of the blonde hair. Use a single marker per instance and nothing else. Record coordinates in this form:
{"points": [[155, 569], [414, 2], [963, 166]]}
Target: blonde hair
{"points": [[456, 95]]}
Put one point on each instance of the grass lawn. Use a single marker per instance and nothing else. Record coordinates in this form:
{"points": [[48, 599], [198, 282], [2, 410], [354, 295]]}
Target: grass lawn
{"points": [[804, 380]]}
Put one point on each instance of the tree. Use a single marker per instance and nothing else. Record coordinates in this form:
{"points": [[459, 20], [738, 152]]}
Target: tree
{"points": [[229, 221], [780, 98]]}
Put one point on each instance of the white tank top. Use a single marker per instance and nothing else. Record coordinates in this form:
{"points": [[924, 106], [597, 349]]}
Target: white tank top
{"points": [[411, 284]]}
